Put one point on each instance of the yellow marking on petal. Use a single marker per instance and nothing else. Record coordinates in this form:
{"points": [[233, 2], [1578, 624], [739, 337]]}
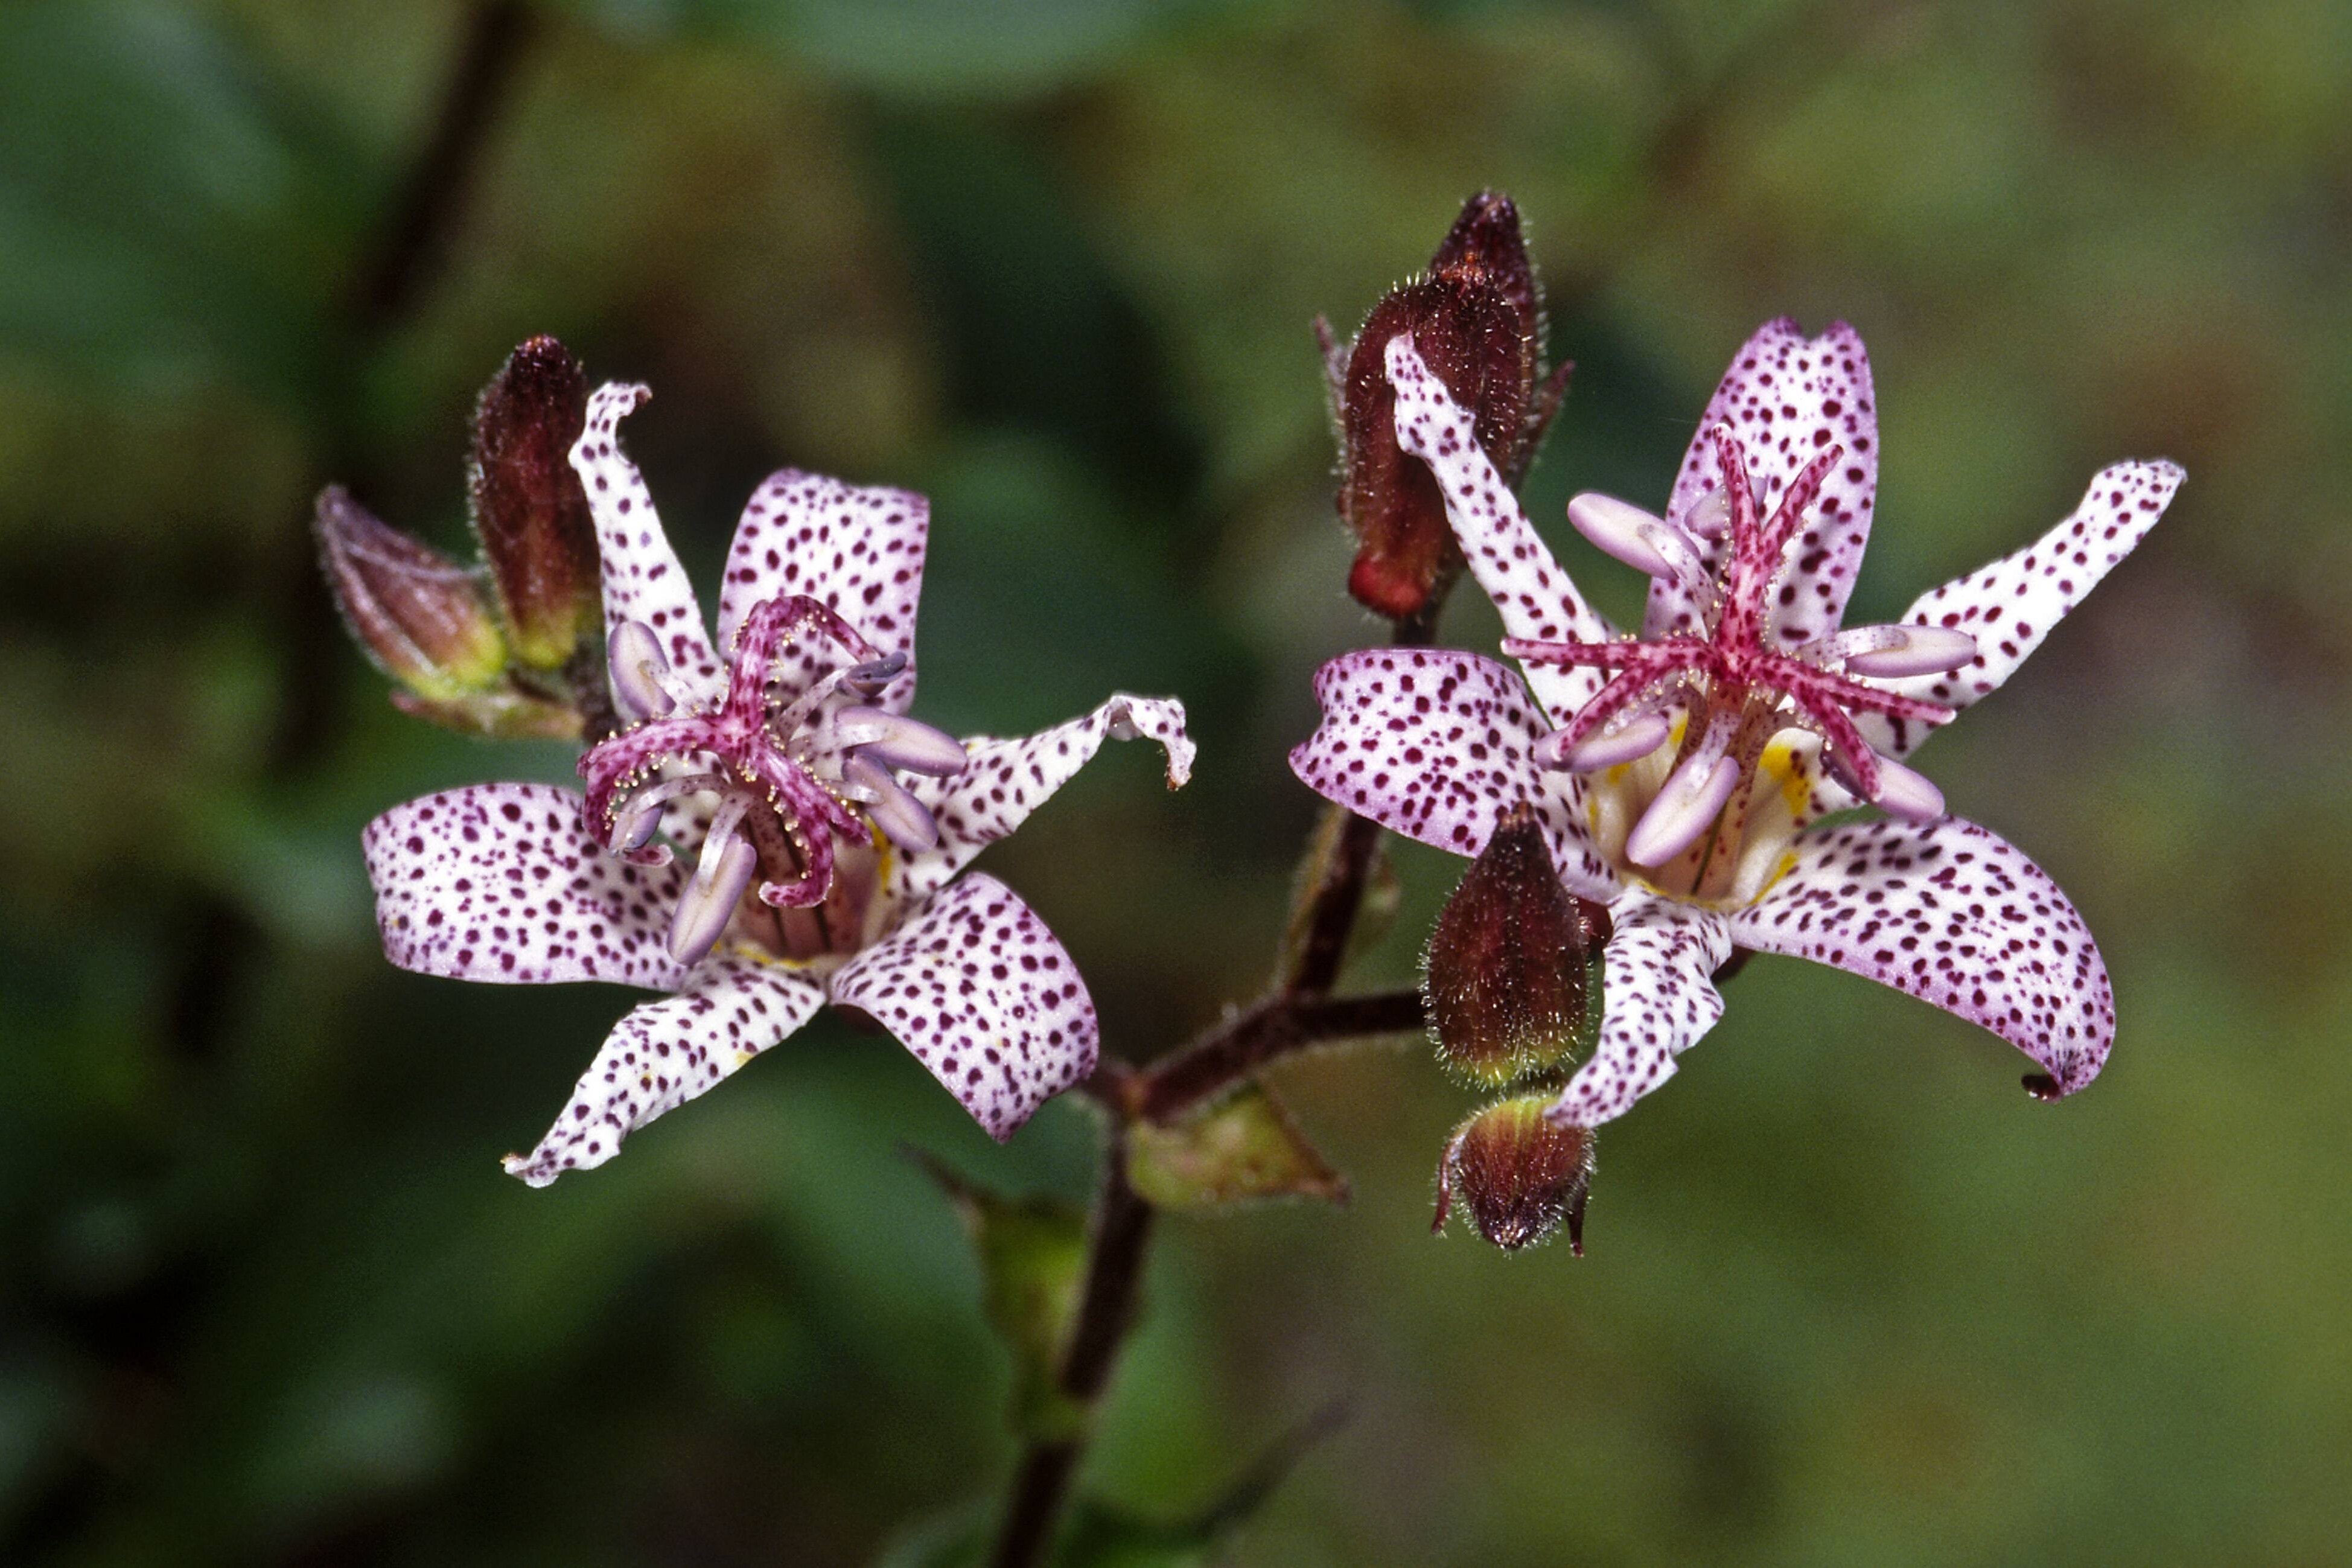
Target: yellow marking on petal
{"points": [[1779, 761]]}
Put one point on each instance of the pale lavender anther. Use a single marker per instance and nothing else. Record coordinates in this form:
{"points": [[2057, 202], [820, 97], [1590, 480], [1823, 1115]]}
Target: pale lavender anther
{"points": [[1629, 742], [1623, 532], [1692, 796], [746, 771], [876, 673], [1709, 516], [908, 744], [706, 904], [902, 818], [1907, 793], [638, 671], [1905, 651]]}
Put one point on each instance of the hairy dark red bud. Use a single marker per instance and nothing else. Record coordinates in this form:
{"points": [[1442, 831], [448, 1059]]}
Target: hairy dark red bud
{"points": [[1477, 322], [529, 508], [420, 615], [1512, 983], [1519, 1173]]}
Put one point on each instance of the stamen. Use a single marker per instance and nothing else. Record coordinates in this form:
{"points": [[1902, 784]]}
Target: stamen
{"points": [[1692, 796], [1708, 516], [1907, 793], [636, 819], [1619, 529], [1630, 741], [707, 902], [1909, 650], [876, 673], [898, 741], [639, 672], [902, 818]]}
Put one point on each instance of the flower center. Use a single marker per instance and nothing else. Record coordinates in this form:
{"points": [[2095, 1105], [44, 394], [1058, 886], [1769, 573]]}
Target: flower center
{"points": [[1697, 790], [806, 785]]}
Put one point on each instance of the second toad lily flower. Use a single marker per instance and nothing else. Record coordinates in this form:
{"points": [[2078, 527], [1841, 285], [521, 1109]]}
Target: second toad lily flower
{"points": [[818, 828], [1679, 774]]}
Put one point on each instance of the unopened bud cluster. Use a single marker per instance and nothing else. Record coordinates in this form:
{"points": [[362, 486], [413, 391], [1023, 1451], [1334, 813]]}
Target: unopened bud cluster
{"points": [[494, 649], [1477, 320], [1512, 989]]}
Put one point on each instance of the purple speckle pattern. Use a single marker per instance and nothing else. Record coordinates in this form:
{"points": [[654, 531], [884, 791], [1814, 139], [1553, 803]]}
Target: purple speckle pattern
{"points": [[1788, 398], [643, 581], [857, 550], [1004, 780], [1658, 997], [2010, 605], [666, 1053], [1435, 744], [501, 883], [985, 997], [1536, 599], [1949, 913]]}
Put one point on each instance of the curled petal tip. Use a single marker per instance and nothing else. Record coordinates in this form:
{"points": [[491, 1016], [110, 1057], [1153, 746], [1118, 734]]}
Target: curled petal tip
{"points": [[2043, 1086]]}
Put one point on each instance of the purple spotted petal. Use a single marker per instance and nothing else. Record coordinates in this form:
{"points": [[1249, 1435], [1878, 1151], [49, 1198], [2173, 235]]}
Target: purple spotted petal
{"points": [[1950, 915], [1788, 398], [643, 581], [1658, 997], [2010, 605], [666, 1053], [1439, 745], [501, 883], [985, 997], [1005, 781], [1510, 561], [857, 550]]}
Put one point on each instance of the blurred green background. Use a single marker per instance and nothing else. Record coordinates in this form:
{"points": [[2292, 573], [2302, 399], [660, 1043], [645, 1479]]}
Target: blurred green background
{"points": [[1852, 1297]]}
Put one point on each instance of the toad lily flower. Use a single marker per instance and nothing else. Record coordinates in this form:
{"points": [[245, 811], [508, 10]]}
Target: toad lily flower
{"points": [[1681, 773], [819, 828]]}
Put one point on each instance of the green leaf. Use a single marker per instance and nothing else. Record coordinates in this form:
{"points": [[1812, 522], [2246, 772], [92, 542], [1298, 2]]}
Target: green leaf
{"points": [[1032, 1259], [1241, 1149]]}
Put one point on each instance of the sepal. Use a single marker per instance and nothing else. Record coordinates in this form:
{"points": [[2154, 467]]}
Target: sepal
{"points": [[422, 618], [1512, 981], [529, 508], [1518, 1175]]}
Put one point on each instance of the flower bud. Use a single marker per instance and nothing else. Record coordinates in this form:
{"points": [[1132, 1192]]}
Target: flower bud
{"points": [[419, 614], [1477, 322], [1519, 1173], [1512, 983], [529, 511]]}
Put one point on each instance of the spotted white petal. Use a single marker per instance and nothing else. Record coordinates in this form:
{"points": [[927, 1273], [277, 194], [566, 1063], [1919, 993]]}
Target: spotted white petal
{"points": [[666, 1053], [1788, 398], [641, 579], [984, 996], [1658, 997], [502, 882], [1004, 780], [1949, 913], [2010, 605], [856, 549], [1440, 746], [1537, 601]]}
